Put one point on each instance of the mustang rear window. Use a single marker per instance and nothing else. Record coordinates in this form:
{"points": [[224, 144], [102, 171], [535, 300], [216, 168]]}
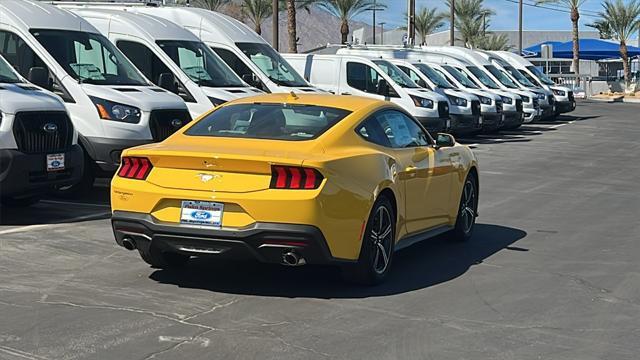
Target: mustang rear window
{"points": [[268, 121]]}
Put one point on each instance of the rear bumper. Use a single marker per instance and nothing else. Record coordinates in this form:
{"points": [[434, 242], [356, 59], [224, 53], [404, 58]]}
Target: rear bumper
{"points": [[105, 152], [264, 242], [434, 125], [465, 124], [563, 107], [22, 174]]}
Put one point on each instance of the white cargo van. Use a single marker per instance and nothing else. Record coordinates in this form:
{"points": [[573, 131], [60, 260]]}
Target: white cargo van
{"points": [[169, 55], [111, 104], [246, 52], [376, 78], [39, 148], [489, 76], [565, 100], [466, 108], [512, 104]]}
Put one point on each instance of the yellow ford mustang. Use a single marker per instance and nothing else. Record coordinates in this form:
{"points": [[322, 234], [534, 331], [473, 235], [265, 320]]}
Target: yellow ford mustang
{"points": [[295, 179]]}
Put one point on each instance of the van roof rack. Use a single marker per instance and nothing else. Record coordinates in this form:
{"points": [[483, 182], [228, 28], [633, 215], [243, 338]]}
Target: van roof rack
{"points": [[151, 3]]}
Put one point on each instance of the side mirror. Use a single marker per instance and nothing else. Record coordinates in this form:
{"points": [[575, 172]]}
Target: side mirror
{"points": [[445, 140], [422, 83], [39, 76], [383, 88], [168, 82]]}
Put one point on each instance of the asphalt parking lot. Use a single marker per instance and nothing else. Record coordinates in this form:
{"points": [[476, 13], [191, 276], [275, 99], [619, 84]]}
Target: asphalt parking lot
{"points": [[552, 272]]}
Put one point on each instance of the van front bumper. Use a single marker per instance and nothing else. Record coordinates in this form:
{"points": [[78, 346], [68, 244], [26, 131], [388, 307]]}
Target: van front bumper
{"points": [[563, 107], [105, 152], [465, 124], [264, 242], [512, 120], [26, 174], [434, 124]]}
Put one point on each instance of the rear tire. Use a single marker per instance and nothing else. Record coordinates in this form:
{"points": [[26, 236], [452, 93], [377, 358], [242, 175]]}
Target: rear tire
{"points": [[376, 251], [162, 260], [467, 210]]}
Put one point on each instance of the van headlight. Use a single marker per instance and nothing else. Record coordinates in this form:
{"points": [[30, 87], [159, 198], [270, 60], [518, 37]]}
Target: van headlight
{"points": [[542, 96], [507, 100], [422, 102], [485, 100], [458, 101], [109, 110], [525, 98], [559, 92]]}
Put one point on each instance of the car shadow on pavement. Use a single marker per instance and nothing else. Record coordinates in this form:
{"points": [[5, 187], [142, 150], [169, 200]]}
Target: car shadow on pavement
{"points": [[417, 267]]}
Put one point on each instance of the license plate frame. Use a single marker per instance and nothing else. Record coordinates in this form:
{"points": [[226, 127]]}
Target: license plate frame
{"points": [[55, 162], [201, 213]]}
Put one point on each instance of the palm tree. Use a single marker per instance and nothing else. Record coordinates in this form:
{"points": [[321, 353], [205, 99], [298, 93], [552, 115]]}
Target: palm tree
{"points": [[471, 21], [574, 7], [603, 27], [346, 10], [494, 42], [427, 21], [623, 20], [292, 30], [257, 11], [213, 5]]}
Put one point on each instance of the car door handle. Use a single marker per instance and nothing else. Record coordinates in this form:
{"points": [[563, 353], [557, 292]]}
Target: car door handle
{"points": [[345, 93]]}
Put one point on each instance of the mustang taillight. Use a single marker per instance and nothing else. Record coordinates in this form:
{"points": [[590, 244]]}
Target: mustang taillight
{"points": [[293, 177], [135, 168]]}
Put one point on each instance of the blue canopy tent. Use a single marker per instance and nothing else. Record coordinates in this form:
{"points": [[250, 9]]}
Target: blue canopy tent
{"points": [[590, 49]]}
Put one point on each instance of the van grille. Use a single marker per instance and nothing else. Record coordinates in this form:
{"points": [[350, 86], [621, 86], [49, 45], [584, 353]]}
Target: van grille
{"points": [[475, 107], [552, 100], [519, 105], [536, 103], [163, 123], [498, 106], [42, 132], [571, 97], [443, 109]]}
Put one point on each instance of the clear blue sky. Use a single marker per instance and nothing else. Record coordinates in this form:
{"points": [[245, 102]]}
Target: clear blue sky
{"points": [[506, 17]]}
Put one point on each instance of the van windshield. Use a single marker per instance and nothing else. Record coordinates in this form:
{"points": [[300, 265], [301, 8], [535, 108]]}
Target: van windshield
{"points": [[272, 64], [542, 76], [397, 75], [461, 77], [483, 77], [434, 76], [89, 58], [518, 76], [268, 121], [504, 79], [7, 75], [200, 63]]}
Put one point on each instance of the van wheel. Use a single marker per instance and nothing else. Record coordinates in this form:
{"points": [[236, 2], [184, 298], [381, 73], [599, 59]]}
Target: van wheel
{"points": [[467, 211], [19, 202], [376, 252], [162, 260]]}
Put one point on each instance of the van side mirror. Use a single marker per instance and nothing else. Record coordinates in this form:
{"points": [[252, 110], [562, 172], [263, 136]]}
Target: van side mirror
{"points": [[422, 83], [383, 88], [445, 140], [39, 76], [168, 82]]}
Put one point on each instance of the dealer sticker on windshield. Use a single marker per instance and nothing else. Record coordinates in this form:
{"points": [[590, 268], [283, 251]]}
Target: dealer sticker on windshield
{"points": [[201, 213], [55, 162]]}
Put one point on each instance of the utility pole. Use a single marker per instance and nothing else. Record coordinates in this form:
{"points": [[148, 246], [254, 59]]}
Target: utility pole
{"points": [[412, 22], [520, 27], [374, 21], [452, 20], [276, 25], [382, 33]]}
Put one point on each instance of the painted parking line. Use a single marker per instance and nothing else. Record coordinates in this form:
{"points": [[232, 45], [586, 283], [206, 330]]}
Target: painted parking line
{"points": [[75, 203], [65, 222]]}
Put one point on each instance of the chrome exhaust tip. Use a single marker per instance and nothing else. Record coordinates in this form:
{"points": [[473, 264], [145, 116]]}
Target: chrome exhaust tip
{"points": [[128, 243], [291, 258]]}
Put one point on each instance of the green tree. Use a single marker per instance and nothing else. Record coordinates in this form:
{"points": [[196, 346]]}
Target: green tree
{"points": [[623, 20], [257, 11], [427, 21], [472, 21], [574, 8], [213, 5], [603, 28], [494, 42], [345, 10], [291, 6]]}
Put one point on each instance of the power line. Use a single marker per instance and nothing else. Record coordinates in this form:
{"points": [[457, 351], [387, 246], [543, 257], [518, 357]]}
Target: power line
{"points": [[586, 13]]}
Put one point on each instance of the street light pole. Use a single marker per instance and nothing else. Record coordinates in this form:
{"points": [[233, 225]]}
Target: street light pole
{"points": [[374, 22], [412, 22], [520, 27], [382, 33], [452, 20], [275, 25]]}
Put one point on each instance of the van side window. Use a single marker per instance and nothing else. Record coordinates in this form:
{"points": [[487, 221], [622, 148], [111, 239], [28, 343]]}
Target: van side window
{"points": [[362, 77], [410, 73], [239, 67], [18, 53]]}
